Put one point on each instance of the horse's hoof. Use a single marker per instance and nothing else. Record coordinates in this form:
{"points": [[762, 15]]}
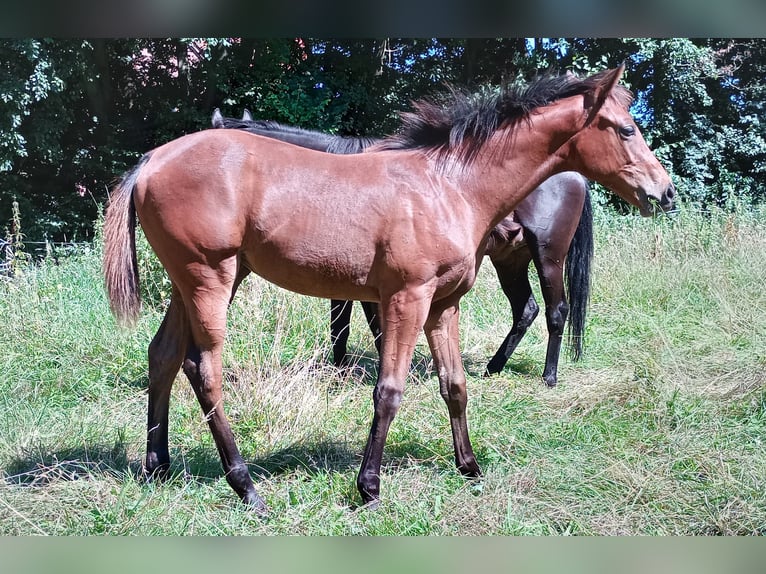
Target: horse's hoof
{"points": [[159, 473], [370, 492], [255, 503], [470, 470], [343, 362], [475, 486], [550, 382], [371, 504], [491, 370]]}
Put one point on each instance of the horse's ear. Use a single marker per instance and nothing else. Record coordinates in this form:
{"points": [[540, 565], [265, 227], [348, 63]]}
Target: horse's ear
{"points": [[612, 79], [246, 117], [217, 118], [601, 91]]}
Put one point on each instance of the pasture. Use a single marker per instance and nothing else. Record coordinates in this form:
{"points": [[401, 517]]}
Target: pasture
{"points": [[659, 430]]}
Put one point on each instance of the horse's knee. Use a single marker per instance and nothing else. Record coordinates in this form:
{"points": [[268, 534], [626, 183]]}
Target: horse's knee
{"points": [[531, 309], [387, 397], [556, 317], [453, 391], [198, 370]]}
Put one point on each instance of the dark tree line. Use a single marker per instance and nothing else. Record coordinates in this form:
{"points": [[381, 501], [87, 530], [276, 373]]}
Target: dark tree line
{"points": [[76, 113]]}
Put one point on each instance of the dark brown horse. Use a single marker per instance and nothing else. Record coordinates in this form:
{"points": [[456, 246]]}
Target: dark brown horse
{"points": [[218, 204], [543, 228]]}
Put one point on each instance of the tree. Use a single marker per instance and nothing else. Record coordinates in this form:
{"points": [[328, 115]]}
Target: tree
{"points": [[78, 113]]}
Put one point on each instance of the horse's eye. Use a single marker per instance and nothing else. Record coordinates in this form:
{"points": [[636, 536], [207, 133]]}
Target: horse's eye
{"points": [[627, 131]]}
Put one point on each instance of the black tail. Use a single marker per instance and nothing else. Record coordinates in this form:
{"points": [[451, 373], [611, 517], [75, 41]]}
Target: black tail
{"points": [[578, 266]]}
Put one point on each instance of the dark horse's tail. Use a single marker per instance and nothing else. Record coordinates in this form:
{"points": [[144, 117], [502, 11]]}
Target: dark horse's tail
{"points": [[120, 265], [578, 277]]}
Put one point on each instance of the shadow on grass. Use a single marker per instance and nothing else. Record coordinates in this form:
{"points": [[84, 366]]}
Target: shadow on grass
{"points": [[70, 464], [202, 465], [316, 458], [517, 364], [364, 367]]}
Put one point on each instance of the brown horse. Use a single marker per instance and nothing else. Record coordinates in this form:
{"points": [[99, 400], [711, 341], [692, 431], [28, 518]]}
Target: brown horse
{"points": [[542, 229], [218, 204]]}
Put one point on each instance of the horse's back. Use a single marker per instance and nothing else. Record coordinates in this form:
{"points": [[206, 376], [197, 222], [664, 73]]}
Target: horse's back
{"points": [[316, 223]]}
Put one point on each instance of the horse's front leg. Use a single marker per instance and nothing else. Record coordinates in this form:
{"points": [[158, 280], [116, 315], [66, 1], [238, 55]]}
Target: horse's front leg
{"points": [[403, 315], [443, 339]]}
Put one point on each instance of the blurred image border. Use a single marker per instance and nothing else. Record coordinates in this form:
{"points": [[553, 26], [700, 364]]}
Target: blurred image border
{"points": [[395, 18], [626, 555]]}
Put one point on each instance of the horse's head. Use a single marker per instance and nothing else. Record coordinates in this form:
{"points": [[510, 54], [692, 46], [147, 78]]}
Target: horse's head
{"points": [[611, 150]]}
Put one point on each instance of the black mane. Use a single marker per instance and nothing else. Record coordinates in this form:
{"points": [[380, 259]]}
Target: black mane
{"points": [[308, 138], [459, 123], [237, 124]]}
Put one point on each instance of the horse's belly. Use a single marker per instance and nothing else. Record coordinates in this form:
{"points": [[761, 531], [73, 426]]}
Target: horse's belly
{"points": [[339, 275]]}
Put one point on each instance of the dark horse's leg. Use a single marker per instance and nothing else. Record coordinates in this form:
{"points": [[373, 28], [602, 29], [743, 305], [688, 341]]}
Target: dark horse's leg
{"points": [[340, 322], [403, 316], [207, 302], [166, 352], [514, 280], [550, 267], [443, 339]]}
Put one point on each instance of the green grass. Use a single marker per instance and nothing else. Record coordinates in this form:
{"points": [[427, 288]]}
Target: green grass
{"points": [[658, 430]]}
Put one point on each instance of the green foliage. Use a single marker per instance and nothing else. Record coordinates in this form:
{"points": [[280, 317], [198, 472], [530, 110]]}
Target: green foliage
{"points": [[27, 78], [14, 257], [155, 283]]}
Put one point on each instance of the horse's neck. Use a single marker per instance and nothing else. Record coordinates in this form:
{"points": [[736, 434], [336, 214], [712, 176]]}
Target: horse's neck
{"points": [[512, 164]]}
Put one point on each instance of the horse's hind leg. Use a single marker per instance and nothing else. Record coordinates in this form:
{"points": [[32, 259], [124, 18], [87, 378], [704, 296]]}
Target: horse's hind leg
{"points": [[340, 322], [441, 330], [515, 284], [207, 304], [166, 352], [550, 268]]}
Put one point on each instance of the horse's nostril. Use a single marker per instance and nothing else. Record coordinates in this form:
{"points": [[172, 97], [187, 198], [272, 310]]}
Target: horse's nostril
{"points": [[670, 193]]}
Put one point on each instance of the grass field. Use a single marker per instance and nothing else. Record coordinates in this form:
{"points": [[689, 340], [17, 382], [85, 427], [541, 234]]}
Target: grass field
{"points": [[658, 430]]}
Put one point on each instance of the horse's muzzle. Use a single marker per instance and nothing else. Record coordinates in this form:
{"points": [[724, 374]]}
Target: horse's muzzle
{"points": [[668, 200], [666, 203]]}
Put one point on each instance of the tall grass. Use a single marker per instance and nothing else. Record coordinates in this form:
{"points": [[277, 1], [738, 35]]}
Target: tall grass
{"points": [[658, 430]]}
